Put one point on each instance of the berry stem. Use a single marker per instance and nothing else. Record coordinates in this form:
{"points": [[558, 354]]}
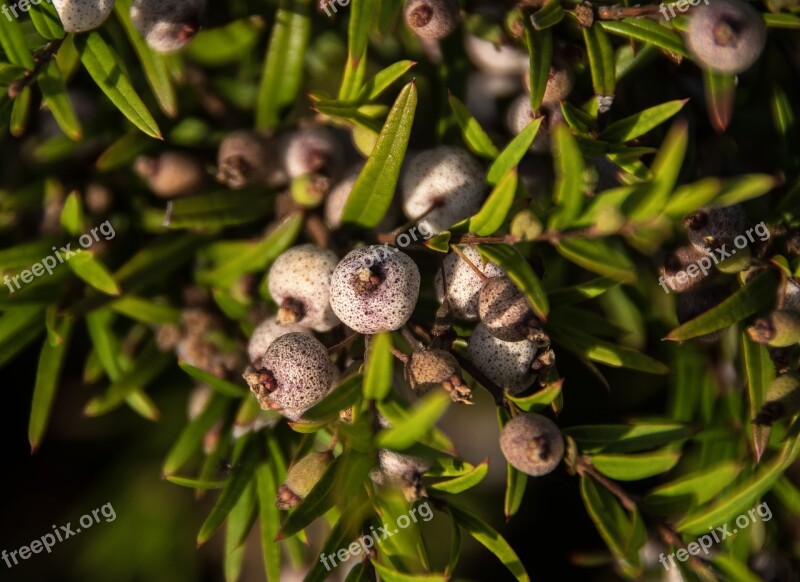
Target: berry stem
{"points": [[471, 265]]}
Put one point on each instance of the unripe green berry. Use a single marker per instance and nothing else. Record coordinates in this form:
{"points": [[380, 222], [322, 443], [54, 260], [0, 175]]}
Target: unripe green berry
{"points": [[82, 15], [781, 401], [532, 443], [301, 478], [168, 25], [779, 329], [427, 369], [267, 332], [709, 228], [507, 364], [172, 174], [675, 274], [375, 289], [463, 283], [299, 282], [434, 19], [726, 36], [448, 180], [245, 158], [506, 313]]}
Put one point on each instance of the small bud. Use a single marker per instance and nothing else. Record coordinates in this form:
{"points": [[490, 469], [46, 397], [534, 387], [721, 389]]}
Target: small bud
{"points": [[782, 400], [779, 329], [301, 478]]}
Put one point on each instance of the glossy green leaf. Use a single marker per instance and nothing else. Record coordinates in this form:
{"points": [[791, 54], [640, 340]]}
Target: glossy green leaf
{"points": [[511, 156], [582, 291], [602, 256], [601, 60], [361, 16], [92, 271], [378, 368], [540, 54], [539, 399], [239, 522], [374, 188], [548, 15], [222, 386], [495, 210], [620, 438], [646, 31], [225, 45], [463, 482], [195, 483], [267, 481], [72, 214], [191, 436], [423, 417], [391, 575], [474, 135], [604, 352], [720, 89], [54, 92], [568, 191], [12, 40], [20, 112], [635, 467], [640, 123], [146, 311], [46, 20], [221, 208], [520, 272], [760, 372], [376, 86], [694, 489], [342, 396]]}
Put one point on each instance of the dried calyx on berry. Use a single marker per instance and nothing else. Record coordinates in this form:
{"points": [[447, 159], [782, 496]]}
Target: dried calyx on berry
{"points": [[781, 401], [82, 15], [532, 443], [779, 329], [507, 364], [429, 368], [403, 471], [435, 19], [506, 313], [168, 25], [301, 478]]}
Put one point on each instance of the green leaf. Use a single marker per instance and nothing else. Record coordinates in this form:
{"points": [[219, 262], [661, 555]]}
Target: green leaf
{"points": [[635, 467], [93, 272], [744, 188], [568, 191], [146, 311], [241, 476], [520, 272], [51, 361], [540, 53], [226, 45], [283, 65], [581, 291], [267, 481], [318, 501], [391, 575], [733, 569], [222, 386], [694, 489], [474, 135], [601, 61], [192, 435], [342, 396], [361, 16], [217, 209], [605, 352], [201, 484], [548, 15], [376, 86], [621, 438], [491, 216], [72, 214], [515, 480], [240, 521], [463, 482], [760, 372], [12, 40], [106, 68], [492, 541], [720, 89], [640, 123], [646, 31], [423, 417], [374, 188], [20, 111], [758, 293], [602, 256], [54, 92], [539, 399], [46, 20], [511, 156], [379, 367]]}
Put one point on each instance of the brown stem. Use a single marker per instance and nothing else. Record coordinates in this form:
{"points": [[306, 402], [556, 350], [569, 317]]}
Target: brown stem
{"points": [[344, 343], [400, 355], [620, 12], [494, 389], [40, 59], [471, 265]]}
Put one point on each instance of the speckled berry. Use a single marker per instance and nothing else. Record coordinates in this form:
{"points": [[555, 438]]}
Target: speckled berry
{"points": [[375, 289], [296, 374], [247, 157], [434, 19], [404, 471], [299, 281], [427, 369], [82, 15], [709, 228], [508, 364], [311, 150], [267, 332], [447, 179], [560, 82], [172, 174], [301, 478], [506, 313], [463, 283], [505, 59], [532, 443], [677, 274], [693, 303], [726, 36], [168, 25]]}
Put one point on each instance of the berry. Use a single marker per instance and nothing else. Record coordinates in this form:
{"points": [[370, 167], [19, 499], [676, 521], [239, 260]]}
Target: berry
{"points": [[790, 295], [675, 274], [726, 36], [301, 478], [496, 59], [168, 25], [446, 179], [401, 470], [374, 289], [560, 82], [267, 332], [427, 369], [172, 174], [709, 228], [311, 150], [507, 364], [434, 19], [779, 329], [781, 401], [296, 374], [506, 313], [483, 90], [532, 443], [693, 303], [82, 15], [245, 158], [464, 284], [298, 282]]}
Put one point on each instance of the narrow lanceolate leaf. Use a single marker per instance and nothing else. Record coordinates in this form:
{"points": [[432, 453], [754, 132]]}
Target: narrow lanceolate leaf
{"points": [[146, 311], [191, 436], [548, 15], [602, 256], [361, 14], [474, 136], [269, 519], [515, 480], [568, 191], [223, 208], [375, 87], [240, 477], [389, 574], [758, 293], [647, 31], [195, 483], [693, 490], [72, 214], [374, 189], [54, 92], [492, 541], [540, 399], [649, 200], [222, 386], [626, 438], [510, 157], [582, 291], [51, 360], [540, 53], [760, 372], [12, 40], [496, 208], [20, 111], [640, 123], [463, 482], [635, 467], [345, 394], [105, 67], [604, 352], [601, 64], [720, 89], [379, 366], [46, 20], [519, 271], [240, 521], [283, 66], [93, 272], [422, 418]]}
